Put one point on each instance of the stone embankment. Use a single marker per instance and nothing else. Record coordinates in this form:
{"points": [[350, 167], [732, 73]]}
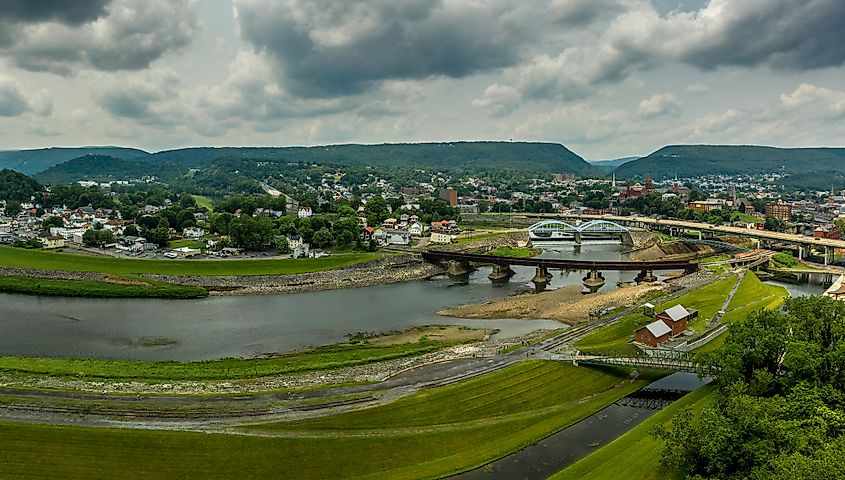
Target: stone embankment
{"points": [[669, 251], [401, 268], [52, 274]]}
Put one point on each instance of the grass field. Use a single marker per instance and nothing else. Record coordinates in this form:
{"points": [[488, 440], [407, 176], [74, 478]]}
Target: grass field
{"points": [[636, 454], [321, 358], [515, 252], [203, 202], [21, 258], [614, 338], [95, 289], [197, 244], [430, 434]]}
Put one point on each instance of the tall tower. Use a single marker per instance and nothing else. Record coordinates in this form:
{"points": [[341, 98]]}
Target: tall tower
{"points": [[648, 183], [613, 184]]}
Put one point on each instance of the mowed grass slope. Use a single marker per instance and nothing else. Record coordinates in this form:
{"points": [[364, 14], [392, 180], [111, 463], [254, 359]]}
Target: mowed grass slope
{"points": [[636, 454], [320, 358], [431, 434], [37, 259], [614, 338]]}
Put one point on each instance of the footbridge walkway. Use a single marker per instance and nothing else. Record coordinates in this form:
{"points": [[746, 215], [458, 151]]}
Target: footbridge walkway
{"points": [[676, 361]]}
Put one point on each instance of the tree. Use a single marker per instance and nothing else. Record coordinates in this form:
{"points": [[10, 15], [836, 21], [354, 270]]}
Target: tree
{"points": [[774, 224], [52, 222], [251, 233], [376, 211], [13, 208], [779, 408], [159, 236], [282, 245], [96, 238], [131, 231], [323, 238]]}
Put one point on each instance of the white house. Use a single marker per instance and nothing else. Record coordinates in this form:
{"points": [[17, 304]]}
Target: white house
{"points": [[193, 232], [294, 241], [415, 229], [438, 237], [397, 237], [305, 212]]}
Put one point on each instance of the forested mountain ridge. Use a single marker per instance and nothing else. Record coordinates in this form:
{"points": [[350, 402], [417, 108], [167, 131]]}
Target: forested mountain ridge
{"points": [[696, 160], [98, 168], [536, 157], [38, 160]]}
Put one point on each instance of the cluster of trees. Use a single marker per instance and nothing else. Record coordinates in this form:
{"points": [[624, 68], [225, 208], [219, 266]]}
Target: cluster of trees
{"points": [[18, 187], [256, 233], [779, 408]]}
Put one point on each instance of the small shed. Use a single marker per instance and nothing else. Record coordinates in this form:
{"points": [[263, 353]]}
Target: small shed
{"points": [[648, 310], [654, 333]]}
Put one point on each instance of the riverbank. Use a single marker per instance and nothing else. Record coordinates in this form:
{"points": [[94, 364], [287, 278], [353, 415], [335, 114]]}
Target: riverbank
{"points": [[95, 286], [567, 304]]}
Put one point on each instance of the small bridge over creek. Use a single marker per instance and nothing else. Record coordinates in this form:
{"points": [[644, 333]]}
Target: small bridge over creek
{"points": [[676, 361]]}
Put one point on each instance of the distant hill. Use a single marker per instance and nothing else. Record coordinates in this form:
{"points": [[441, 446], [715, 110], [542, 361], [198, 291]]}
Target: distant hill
{"points": [[34, 161], [539, 157], [695, 160], [98, 168], [608, 166], [17, 186]]}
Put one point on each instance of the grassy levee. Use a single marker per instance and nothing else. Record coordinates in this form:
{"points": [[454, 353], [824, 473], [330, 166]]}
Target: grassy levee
{"points": [[37, 259], [430, 434], [320, 358], [614, 338], [636, 454], [95, 289], [752, 295]]}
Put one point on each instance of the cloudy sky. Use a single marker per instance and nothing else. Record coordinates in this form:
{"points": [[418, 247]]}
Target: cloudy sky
{"points": [[607, 78]]}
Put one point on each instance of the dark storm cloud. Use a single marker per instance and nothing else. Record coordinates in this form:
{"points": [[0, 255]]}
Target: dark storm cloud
{"points": [[327, 48], [70, 12], [786, 34], [127, 35]]}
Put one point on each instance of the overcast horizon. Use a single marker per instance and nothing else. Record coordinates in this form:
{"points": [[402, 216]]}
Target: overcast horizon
{"points": [[605, 78]]}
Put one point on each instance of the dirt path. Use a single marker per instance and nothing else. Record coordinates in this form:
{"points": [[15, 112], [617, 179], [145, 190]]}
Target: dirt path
{"points": [[565, 304]]}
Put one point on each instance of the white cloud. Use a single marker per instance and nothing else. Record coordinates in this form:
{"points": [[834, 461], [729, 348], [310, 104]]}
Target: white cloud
{"points": [[660, 104]]}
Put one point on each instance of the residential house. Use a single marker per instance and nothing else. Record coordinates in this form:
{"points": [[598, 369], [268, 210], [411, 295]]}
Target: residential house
{"points": [[305, 212], [367, 234], [654, 333], [415, 229], [52, 241], [294, 241], [440, 238], [397, 237], [301, 250], [193, 232]]}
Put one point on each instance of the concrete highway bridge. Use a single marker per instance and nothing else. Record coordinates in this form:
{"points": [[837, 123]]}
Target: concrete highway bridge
{"points": [[803, 242], [460, 264]]}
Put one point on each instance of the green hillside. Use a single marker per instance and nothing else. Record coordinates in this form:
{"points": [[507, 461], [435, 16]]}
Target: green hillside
{"points": [[34, 161], [695, 160], [96, 168], [540, 157], [17, 186]]}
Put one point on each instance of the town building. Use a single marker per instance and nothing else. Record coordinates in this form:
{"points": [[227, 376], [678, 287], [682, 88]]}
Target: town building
{"points": [[450, 195], [780, 209], [440, 238], [676, 318], [828, 231], [704, 205]]}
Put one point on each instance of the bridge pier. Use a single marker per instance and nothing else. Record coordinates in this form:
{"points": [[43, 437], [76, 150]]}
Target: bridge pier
{"points": [[458, 268], [828, 255], [578, 238], [594, 279], [646, 276], [541, 276], [801, 254], [500, 272]]}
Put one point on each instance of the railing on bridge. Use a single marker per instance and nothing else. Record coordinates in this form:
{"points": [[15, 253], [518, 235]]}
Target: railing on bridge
{"points": [[658, 359]]}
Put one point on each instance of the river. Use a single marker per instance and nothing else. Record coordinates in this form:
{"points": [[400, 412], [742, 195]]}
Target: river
{"points": [[244, 326]]}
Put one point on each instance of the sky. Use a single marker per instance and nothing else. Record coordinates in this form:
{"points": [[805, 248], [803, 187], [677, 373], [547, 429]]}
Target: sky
{"points": [[606, 78]]}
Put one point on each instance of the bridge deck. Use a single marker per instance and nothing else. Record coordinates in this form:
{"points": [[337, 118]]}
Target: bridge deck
{"points": [[439, 255]]}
